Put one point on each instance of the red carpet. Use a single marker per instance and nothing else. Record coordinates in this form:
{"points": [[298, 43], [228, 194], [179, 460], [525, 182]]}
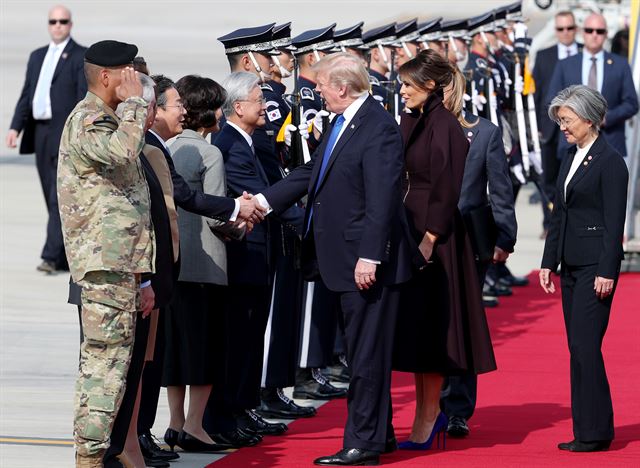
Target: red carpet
{"points": [[523, 408]]}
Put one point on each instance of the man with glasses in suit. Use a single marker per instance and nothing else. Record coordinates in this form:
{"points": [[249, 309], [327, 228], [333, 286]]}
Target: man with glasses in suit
{"points": [[54, 84]]}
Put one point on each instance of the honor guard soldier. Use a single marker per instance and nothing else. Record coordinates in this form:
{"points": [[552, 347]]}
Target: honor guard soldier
{"points": [[379, 41], [456, 33], [310, 47], [108, 236], [430, 36], [350, 40], [406, 44]]}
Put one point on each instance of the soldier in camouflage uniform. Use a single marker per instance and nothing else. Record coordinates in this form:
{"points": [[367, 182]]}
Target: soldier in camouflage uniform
{"points": [[108, 236]]}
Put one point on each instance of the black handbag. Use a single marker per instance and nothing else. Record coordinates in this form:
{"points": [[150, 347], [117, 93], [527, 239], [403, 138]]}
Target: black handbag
{"points": [[483, 232]]}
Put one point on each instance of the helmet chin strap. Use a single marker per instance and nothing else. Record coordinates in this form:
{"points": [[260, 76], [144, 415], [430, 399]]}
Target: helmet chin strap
{"points": [[459, 55], [316, 55], [264, 77], [406, 50], [487, 43], [384, 55], [283, 71]]}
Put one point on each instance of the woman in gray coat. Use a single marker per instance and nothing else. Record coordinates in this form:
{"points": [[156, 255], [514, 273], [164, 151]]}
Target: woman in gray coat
{"points": [[199, 297]]}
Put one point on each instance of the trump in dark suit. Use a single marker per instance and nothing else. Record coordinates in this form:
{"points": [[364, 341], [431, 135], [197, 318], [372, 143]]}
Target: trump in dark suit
{"points": [[355, 234], [585, 239], [607, 73], [53, 85]]}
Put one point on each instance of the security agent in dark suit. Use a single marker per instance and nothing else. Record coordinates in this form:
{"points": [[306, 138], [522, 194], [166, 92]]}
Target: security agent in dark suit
{"points": [[546, 61], [487, 206], [166, 126], [54, 84], [607, 73], [356, 243], [585, 239]]}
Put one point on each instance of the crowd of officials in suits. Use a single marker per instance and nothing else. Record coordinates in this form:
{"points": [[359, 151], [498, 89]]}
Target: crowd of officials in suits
{"points": [[254, 295]]}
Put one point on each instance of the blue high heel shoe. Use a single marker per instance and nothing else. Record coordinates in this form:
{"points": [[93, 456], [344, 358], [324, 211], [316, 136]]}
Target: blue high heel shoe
{"points": [[439, 427]]}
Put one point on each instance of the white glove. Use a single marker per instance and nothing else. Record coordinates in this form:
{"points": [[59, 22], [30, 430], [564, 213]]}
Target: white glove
{"points": [[520, 30], [466, 97], [536, 161], [303, 129], [317, 120], [518, 172], [478, 100], [497, 77], [519, 85]]}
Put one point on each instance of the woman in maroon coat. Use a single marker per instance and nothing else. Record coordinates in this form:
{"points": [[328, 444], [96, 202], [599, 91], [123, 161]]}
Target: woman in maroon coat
{"points": [[442, 329]]}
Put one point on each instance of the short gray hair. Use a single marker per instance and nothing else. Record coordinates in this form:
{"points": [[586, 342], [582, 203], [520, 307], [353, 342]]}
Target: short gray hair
{"points": [[238, 86], [148, 87], [345, 69], [585, 102]]}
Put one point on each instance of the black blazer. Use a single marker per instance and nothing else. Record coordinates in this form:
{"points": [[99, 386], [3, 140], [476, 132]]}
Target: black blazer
{"points": [[487, 165], [191, 200], [68, 86], [587, 228], [357, 208]]}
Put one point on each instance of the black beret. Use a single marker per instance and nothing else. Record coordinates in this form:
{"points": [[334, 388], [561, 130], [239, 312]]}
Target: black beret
{"points": [[111, 54]]}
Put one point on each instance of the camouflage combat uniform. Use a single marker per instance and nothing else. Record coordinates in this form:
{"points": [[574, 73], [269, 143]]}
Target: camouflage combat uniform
{"points": [[108, 236]]}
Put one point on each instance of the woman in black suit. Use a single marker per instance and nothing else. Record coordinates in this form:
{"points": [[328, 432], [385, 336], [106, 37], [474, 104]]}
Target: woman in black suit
{"points": [[441, 328], [585, 238]]}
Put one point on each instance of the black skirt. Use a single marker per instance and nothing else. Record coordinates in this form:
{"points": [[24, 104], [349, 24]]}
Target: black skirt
{"points": [[193, 334]]}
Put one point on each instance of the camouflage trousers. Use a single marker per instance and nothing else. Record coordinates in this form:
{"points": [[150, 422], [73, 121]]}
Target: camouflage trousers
{"points": [[109, 304]]}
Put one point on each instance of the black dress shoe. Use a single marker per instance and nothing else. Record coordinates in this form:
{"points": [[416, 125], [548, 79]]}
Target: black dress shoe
{"points": [[507, 278], [171, 438], [490, 301], [236, 439], [350, 457], [338, 373], [189, 443], [579, 446], [457, 427], [318, 388], [249, 421], [494, 288], [150, 448], [275, 404], [155, 462]]}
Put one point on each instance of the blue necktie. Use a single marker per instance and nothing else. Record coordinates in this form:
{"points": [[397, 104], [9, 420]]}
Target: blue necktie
{"points": [[333, 138]]}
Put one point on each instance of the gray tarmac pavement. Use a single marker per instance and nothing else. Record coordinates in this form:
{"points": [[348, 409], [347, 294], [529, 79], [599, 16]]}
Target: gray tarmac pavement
{"points": [[38, 331]]}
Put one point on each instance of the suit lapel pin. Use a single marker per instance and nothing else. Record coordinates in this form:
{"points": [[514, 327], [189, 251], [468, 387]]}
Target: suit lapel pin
{"points": [[64, 55], [589, 158], [585, 163], [609, 61], [353, 126]]}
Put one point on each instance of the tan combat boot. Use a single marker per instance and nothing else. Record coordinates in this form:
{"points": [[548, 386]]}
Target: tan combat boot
{"points": [[90, 461]]}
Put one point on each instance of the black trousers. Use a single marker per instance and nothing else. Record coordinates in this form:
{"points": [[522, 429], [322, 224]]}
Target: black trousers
{"points": [[586, 318], [238, 389], [47, 166], [550, 168], [282, 337], [319, 324], [151, 380], [460, 392], [369, 325]]}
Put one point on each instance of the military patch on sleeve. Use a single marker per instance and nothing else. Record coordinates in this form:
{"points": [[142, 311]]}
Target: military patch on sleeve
{"points": [[274, 115], [481, 63], [307, 93], [266, 87], [101, 120]]}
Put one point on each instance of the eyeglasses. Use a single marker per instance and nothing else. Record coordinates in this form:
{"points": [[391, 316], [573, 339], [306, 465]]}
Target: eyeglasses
{"points": [[179, 106], [598, 31], [262, 101], [565, 28], [61, 21], [565, 123]]}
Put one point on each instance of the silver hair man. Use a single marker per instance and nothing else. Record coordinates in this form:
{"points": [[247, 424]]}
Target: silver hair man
{"points": [[585, 102], [238, 86], [345, 69]]}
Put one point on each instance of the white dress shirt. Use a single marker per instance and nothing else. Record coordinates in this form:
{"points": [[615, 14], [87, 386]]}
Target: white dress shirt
{"points": [[236, 210], [565, 51], [42, 110], [586, 67], [575, 164], [244, 134]]}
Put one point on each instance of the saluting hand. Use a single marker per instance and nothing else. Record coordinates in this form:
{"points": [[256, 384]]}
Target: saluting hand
{"points": [[130, 85]]}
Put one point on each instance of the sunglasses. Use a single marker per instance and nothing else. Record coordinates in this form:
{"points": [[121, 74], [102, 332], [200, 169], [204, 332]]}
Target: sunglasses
{"points": [[598, 31], [61, 21], [566, 28]]}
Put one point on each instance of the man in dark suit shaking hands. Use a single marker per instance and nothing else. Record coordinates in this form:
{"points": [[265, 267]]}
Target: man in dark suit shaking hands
{"points": [[53, 85], [354, 237]]}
